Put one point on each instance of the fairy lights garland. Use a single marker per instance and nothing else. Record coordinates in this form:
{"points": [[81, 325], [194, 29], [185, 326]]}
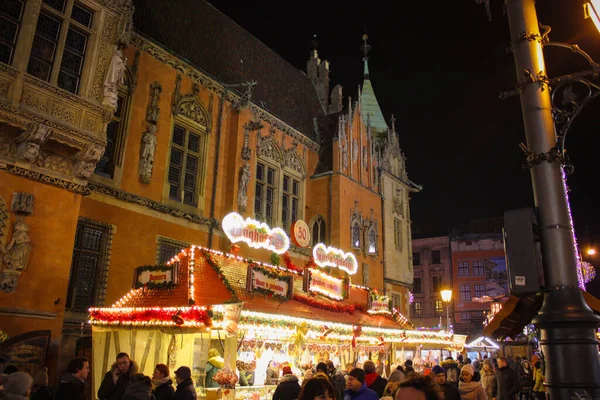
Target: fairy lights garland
{"points": [[166, 316], [217, 268], [309, 301], [572, 227]]}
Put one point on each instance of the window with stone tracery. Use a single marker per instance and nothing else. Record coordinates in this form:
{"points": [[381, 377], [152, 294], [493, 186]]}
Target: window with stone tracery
{"points": [[356, 233], [372, 241], [11, 14], [318, 231], [186, 163], [265, 193], [58, 54]]}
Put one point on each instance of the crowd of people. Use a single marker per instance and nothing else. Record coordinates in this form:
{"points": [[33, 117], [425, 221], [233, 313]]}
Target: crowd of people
{"points": [[488, 379]]}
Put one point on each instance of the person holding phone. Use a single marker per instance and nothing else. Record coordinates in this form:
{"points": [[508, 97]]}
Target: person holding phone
{"points": [[117, 379]]}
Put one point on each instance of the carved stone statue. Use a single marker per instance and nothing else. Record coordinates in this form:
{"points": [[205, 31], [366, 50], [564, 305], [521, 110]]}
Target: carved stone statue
{"points": [[30, 141], [244, 178], [147, 150], [114, 78], [15, 257], [86, 161]]}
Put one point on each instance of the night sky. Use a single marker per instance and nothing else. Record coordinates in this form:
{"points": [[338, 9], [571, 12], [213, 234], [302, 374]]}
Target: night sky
{"points": [[438, 67]]}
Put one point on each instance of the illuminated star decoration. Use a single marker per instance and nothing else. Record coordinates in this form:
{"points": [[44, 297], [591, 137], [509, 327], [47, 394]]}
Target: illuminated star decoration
{"points": [[572, 226]]}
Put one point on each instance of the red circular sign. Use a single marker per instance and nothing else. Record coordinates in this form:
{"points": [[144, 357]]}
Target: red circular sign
{"points": [[300, 233]]}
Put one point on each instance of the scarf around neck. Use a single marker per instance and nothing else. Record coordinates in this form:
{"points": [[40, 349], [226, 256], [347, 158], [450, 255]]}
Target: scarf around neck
{"points": [[370, 378], [157, 382]]}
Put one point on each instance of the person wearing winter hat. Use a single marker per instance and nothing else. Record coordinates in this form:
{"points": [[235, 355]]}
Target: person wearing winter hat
{"points": [[74, 381], [374, 382], [41, 390], [161, 383], [439, 379], [17, 386], [356, 388], [288, 387], [185, 385], [469, 388]]}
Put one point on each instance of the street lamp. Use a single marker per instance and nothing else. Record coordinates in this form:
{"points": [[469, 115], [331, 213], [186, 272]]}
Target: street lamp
{"points": [[567, 325], [446, 298], [591, 251]]}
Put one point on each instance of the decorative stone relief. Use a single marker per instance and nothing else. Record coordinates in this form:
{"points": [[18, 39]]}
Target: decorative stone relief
{"points": [[55, 162], [345, 156], [36, 103], [63, 114], [114, 78], [356, 226], [15, 253], [293, 160], [29, 142], [245, 99], [365, 274], [103, 54], [149, 138], [268, 148], [22, 203], [398, 205], [243, 180], [189, 105], [86, 160]]}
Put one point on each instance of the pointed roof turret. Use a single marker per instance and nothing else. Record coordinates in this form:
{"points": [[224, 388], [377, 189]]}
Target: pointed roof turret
{"points": [[368, 102]]}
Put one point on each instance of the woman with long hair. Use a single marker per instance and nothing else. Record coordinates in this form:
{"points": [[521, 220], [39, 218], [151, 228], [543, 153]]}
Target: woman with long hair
{"points": [[488, 377], [318, 388]]}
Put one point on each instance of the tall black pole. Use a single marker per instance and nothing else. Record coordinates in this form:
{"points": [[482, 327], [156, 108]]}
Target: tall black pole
{"points": [[566, 323]]}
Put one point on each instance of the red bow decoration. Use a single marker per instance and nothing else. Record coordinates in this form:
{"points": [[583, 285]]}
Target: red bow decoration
{"points": [[326, 331], [356, 332]]}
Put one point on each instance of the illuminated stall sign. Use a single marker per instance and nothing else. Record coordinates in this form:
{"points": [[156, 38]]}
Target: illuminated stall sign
{"points": [[254, 233], [154, 277], [319, 282], [327, 256], [262, 280], [379, 304]]}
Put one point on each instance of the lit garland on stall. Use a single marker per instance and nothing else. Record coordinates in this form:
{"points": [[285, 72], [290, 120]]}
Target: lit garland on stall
{"points": [[309, 301], [217, 268], [152, 316], [572, 226], [191, 276]]}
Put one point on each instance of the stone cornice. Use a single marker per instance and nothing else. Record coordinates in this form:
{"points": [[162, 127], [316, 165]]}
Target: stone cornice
{"points": [[50, 180], [8, 70], [151, 204], [212, 84], [395, 282]]}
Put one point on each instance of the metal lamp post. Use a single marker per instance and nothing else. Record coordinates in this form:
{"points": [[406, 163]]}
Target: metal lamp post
{"points": [[446, 298], [566, 322]]}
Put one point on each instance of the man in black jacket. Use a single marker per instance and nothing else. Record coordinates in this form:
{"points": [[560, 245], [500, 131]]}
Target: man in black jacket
{"points": [[185, 385], [74, 381], [117, 379], [507, 382], [374, 382]]}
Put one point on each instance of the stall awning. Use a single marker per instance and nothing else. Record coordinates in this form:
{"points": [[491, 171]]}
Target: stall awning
{"points": [[517, 312]]}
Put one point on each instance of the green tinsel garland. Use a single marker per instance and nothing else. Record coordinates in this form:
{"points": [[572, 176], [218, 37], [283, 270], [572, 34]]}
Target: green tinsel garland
{"points": [[217, 268]]}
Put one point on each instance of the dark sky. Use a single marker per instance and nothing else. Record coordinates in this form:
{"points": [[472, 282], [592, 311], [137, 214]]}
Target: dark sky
{"points": [[439, 66]]}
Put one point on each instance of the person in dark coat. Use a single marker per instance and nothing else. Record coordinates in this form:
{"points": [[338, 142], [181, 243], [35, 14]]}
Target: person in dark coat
{"points": [[185, 385], [439, 378], [507, 382], [337, 379], [374, 382], [162, 384], [73, 383], [41, 390], [452, 372], [139, 388], [117, 379], [356, 388], [288, 388]]}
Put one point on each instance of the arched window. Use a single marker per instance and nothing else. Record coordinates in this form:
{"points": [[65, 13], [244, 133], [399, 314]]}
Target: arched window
{"points": [[356, 233], [318, 231], [372, 241]]}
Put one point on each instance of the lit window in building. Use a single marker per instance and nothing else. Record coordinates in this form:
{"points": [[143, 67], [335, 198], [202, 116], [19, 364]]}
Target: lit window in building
{"points": [[463, 268], [465, 292], [417, 309], [372, 240], [356, 232], [465, 318], [439, 307], [478, 268], [479, 290]]}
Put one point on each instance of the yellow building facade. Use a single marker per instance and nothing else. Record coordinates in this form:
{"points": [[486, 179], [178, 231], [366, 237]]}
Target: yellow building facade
{"points": [[123, 139]]}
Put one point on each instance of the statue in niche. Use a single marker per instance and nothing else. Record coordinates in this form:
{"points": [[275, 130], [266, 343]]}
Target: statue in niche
{"points": [[365, 274], [147, 151], [15, 257], [114, 78], [244, 178]]}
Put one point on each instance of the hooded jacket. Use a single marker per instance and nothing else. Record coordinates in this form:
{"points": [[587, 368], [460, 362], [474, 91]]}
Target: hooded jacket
{"points": [[288, 388], [214, 364], [526, 375], [108, 390], [70, 387], [452, 371], [471, 391]]}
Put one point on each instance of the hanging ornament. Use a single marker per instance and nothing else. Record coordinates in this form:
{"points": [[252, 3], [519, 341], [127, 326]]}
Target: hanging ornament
{"points": [[325, 331], [381, 341], [356, 332]]}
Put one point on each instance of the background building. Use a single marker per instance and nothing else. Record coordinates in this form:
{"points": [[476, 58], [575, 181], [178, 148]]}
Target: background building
{"points": [[432, 263], [479, 271]]}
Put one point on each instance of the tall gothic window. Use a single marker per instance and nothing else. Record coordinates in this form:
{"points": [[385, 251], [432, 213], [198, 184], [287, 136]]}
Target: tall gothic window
{"points": [[115, 137], [356, 233], [11, 13], [290, 201], [398, 234], [51, 39], [318, 231], [372, 241], [184, 165], [89, 266], [265, 193]]}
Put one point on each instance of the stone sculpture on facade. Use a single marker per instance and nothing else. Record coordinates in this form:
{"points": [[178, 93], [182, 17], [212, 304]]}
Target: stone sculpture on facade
{"points": [[15, 253], [114, 78], [149, 138], [244, 178], [86, 160], [29, 142]]}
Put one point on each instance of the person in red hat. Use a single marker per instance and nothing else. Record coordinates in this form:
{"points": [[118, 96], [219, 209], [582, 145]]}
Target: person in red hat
{"points": [[288, 387]]}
